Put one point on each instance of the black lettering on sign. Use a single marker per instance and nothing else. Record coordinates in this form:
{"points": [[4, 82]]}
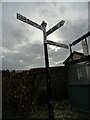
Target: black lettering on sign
{"points": [[23, 19], [20, 17]]}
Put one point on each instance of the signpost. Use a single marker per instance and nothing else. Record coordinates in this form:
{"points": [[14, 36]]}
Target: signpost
{"points": [[45, 34], [49, 90]]}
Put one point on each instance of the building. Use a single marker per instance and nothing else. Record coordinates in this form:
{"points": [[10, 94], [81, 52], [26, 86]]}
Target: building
{"points": [[78, 70]]}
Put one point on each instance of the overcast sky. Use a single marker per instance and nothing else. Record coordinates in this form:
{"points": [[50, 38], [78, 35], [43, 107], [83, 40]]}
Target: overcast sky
{"points": [[22, 44]]}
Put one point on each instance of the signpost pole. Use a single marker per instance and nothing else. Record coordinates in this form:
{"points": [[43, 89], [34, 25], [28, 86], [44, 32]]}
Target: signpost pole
{"points": [[45, 34], [49, 90]]}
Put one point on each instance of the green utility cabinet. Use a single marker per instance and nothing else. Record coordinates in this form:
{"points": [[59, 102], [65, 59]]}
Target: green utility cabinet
{"points": [[79, 83]]}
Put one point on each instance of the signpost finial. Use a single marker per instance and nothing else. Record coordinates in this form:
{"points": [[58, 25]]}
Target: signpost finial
{"points": [[43, 23]]}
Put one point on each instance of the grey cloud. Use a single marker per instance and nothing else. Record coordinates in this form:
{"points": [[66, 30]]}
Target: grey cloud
{"points": [[27, 56], [13, 35], [59, 55], [23, 63], [10, 64], [72, 31], [35, 49], [27, 42], [44, 1], [38, 62], [89, 23]]}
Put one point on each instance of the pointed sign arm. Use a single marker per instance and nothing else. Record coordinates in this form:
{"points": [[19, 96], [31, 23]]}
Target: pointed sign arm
{"points": [[57, 26], [57, 44], [30, 22]]}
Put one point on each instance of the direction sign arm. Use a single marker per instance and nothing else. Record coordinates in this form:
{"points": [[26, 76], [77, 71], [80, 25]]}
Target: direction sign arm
{"points": [[30, 22], [57, 26], [57, 44]]}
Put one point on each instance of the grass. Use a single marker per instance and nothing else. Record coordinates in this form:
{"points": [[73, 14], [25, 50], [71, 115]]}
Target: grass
{"points": [[62, 110]]}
